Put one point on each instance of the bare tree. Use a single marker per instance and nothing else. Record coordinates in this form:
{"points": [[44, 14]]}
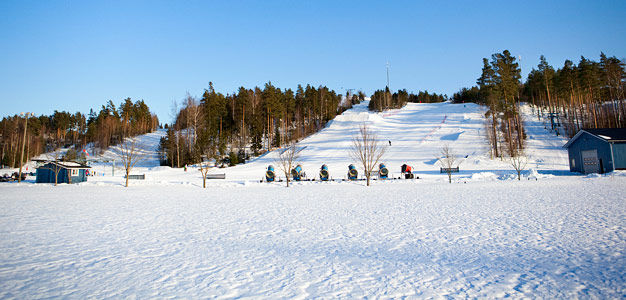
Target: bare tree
{"points": [[53, 164], [367, 149], [519, 161], [205, 165], [287, 159], [130, 154], [448, 160], [193, 113]]}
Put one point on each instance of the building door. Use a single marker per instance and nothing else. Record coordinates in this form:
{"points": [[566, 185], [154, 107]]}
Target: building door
{"points": [[590, 161]]}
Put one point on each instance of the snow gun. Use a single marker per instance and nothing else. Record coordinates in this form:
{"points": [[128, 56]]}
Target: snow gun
{"points": [[324, 173], [353, 174], [269, 174], [296, 173], [407, 171], [383, 172]]}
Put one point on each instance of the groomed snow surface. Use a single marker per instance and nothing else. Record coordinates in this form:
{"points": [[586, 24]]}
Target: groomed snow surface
{"points": [[554, 238], [552, 235]]}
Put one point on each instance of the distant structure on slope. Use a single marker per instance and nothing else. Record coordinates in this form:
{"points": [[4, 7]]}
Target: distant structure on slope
{"points": [[598, 150]]}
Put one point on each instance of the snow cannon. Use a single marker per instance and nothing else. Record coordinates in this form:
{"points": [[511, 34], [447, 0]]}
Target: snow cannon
{"points": [[353, 174], [270, 175], [296, 173], [324, 173], [383, 172], [407, 171]]}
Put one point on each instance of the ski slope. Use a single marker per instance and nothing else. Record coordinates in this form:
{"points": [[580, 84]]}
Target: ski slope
{"points": [[416, 132]]}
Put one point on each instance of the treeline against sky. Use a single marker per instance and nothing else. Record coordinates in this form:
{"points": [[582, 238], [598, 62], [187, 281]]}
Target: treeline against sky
{"points": [[383, 99], [588, 95], [248, 122], [47, 133]]}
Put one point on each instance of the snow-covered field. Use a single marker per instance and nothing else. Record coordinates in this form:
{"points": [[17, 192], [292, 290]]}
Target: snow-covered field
{"points": [[552, 235], [553, 238]]}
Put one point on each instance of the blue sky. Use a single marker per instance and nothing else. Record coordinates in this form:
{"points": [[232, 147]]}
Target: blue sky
{"points": [[76, 55]]}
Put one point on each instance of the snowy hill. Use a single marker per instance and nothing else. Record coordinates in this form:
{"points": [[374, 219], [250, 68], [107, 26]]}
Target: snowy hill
{"points": [[147, 145], [416, 132]]}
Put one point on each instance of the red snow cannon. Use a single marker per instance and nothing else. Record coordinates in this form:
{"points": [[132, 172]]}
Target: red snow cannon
{"points": [[407, 171]]}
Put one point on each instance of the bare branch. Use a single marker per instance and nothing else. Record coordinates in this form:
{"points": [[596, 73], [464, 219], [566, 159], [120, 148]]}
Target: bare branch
{"points": [[448, 160], [54, 159], [205, 165], [130, 154], [367, 150], [519, 162], [287, 159]]}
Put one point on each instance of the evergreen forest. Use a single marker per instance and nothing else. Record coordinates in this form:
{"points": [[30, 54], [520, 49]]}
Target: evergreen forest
{"points": [[248, 122], [45, 133], [590, 94]]}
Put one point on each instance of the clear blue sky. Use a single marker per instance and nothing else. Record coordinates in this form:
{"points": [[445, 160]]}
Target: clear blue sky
{"points": [[76, 55]]}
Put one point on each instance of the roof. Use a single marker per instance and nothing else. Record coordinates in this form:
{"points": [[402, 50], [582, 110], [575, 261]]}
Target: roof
{"points": [[69, 165], [609, 135]]}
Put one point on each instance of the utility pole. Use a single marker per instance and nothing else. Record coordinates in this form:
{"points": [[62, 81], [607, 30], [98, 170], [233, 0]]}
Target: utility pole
{"points": [[388, 77], [28, 114]]}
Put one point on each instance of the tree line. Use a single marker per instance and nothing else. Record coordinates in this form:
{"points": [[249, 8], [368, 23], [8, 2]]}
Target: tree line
{"points": [[46, 133], [588, 95], [247, 122], [383, 99], [498, 88]]}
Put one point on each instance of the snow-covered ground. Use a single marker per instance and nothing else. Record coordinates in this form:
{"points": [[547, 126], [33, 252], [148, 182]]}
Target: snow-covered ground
{"points": [[552, 238], [552, 235]]}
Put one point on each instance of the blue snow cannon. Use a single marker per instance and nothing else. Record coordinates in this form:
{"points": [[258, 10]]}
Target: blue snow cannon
{"points": [[296, 173], [353, 174], [383, 172], [270, 175], [324, 173]]}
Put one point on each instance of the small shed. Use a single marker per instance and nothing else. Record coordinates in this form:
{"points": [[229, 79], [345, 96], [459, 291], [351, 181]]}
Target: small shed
{"points": [[597, 150], [68, 172]]}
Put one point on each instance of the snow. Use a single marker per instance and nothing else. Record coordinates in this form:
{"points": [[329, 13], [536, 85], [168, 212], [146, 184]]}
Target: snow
{"points": [[554, 234], [417, 133], [553, 238]]}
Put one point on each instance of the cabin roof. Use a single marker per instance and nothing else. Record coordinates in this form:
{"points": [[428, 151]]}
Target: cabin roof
{"points": [[610, 135], [69, 164]]}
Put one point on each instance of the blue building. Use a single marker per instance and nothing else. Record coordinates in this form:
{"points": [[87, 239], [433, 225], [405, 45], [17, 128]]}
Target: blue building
{"points": [[597, 150], [68, 172]]}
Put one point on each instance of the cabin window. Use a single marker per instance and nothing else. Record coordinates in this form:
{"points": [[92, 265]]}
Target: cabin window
{"points": [[573, 163], [74, 172]]}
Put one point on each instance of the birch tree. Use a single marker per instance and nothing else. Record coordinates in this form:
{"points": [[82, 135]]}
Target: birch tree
{"points": [[287, 159], [367, 150], [53, 160], [519, 163], [205, 165], [130, 154], [447, 160]]}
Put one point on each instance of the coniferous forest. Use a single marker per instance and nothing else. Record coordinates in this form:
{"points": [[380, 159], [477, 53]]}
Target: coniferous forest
{"points": [[63, 129], [248, 122], [383, 99], [588, 95]]}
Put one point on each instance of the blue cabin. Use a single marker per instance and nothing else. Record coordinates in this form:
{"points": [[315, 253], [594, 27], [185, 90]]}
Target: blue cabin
{"points": [[68, 172], [598, 150]]}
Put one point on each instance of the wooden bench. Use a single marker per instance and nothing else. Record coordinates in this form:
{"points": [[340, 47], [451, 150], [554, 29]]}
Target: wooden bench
{"points": [[216, 176], [449, 170], [136, 176]]}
